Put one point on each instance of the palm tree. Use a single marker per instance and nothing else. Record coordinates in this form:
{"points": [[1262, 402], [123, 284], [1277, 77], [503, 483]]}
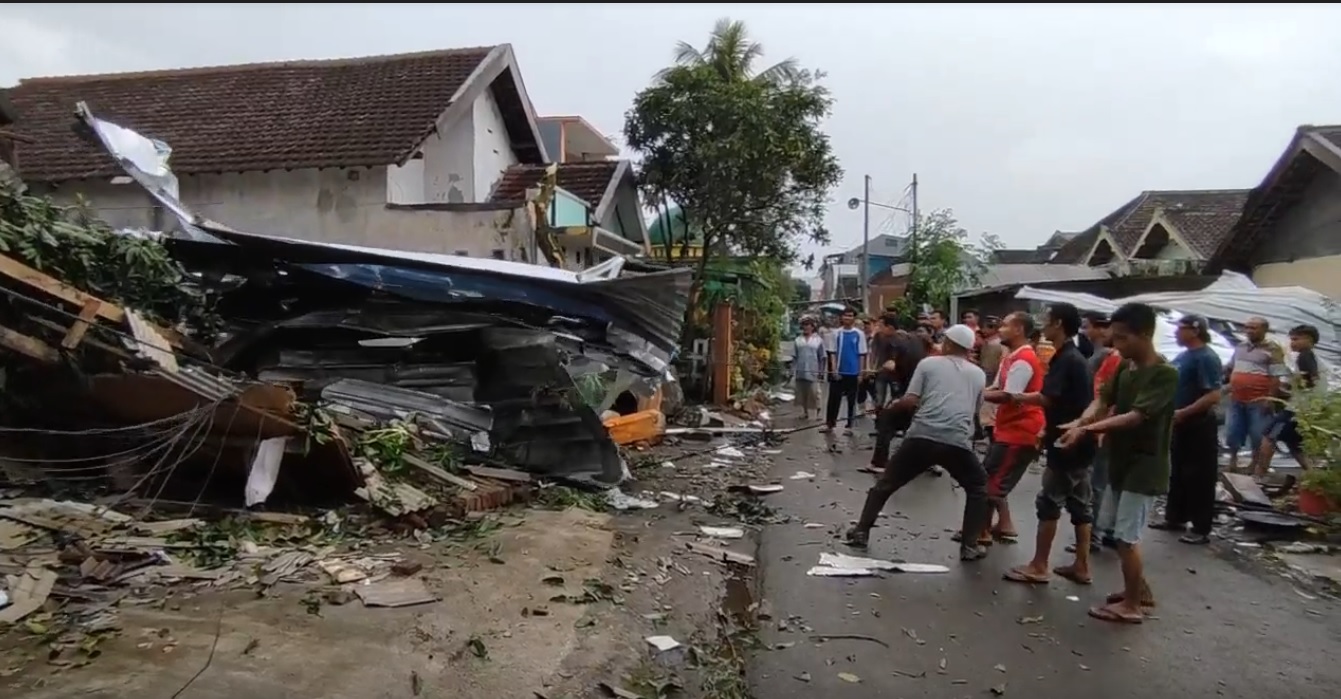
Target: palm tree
{"points": [[731, 52]]}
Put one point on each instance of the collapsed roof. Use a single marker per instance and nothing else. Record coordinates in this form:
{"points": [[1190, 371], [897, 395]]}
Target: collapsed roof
{"points": [[461, 333]]}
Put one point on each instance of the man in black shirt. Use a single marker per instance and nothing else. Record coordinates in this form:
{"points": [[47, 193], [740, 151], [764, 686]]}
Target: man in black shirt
{"points": [[1285, 429], [1066, 394], [906, 350]]}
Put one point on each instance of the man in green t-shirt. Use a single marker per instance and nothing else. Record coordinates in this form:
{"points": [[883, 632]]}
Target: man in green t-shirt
{"points": [[1139, 428]]}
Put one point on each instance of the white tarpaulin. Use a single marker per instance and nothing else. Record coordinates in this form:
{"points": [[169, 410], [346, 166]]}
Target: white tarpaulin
{"points": [[1232, 298]]}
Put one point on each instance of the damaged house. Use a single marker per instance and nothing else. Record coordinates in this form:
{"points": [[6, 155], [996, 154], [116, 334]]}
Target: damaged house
{"points": [[402, 151], [484, 363]]}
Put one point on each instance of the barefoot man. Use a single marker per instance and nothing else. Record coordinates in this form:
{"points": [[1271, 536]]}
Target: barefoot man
{"points": [[1139, 430], [1064, 396], [945, 393]]}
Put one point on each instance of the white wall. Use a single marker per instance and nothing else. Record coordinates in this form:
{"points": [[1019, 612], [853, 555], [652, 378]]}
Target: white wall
{"points": [[333, 205], [492, 148]]}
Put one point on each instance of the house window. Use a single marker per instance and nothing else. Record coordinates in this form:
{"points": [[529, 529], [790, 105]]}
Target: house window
{"points": [[498, 254]]}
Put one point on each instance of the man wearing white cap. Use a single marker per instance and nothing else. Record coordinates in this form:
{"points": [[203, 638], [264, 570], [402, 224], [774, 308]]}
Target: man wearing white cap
{"points": [[945, 394]]}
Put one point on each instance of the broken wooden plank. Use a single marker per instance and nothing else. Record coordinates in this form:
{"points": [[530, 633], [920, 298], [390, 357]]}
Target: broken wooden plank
{"points": [[28, 346], [394, 592], [439, 472], [1245, 489], [500, 474], [79, 328]]}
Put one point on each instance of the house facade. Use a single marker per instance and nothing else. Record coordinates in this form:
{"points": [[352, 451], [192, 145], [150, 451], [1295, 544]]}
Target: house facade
{"points": [[1158, 233], [1290, 231], [400, 151]]}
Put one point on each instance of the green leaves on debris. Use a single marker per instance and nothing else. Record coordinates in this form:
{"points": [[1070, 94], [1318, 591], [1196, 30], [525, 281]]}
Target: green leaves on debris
{"points": [[70, 244]]}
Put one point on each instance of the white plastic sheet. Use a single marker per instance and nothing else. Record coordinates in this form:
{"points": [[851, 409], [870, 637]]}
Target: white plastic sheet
{"points": [[264, 470]]}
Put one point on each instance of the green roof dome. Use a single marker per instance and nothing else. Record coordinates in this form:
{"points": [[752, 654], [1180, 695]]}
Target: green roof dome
{"points": [[673, 219]]}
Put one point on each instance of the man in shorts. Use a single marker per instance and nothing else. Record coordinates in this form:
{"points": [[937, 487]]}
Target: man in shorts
{"points": [[945, 392], [1285, 429], [1017, 425], [1064, 396], [1141, 397], [1255, 374]]}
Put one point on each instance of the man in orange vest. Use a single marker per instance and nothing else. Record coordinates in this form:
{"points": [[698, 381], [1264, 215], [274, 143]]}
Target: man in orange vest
{"points": [[1015, 434]]}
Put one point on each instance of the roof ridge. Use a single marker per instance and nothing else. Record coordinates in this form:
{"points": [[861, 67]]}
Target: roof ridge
{"points": [[1238, 190], [263, 65]]}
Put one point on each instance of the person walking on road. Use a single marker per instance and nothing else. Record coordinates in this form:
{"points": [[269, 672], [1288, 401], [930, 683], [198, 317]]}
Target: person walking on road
{"points": [[1196, 436], [811, 362], [1141, 396], [945, 393], [1064, 396], [1017, 424], [1255, 374], [847, 362]]}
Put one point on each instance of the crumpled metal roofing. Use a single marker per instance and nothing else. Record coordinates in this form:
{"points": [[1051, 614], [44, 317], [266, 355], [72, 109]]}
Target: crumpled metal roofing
{"points": [[1233, 298], [645, 312]]}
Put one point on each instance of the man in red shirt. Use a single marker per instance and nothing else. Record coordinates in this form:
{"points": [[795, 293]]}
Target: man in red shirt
{"points": [[1017, 426]]}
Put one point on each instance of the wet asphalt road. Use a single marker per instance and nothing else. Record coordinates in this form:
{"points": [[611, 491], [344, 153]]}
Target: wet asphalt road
{"points": [[1221, 629]]}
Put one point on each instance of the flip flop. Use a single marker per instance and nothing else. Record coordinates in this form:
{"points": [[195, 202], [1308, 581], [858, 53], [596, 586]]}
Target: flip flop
{"points": [[1111, 615], [1020, 576], [871, 470], [958, 537], [1069, 573], [1006, 538], [1117, 597]]}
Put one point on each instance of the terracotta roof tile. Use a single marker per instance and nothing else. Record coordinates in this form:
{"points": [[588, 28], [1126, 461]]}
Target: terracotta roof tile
{"points": [[1207, 227], [587, 181], [1127, 230], [337, 113]]}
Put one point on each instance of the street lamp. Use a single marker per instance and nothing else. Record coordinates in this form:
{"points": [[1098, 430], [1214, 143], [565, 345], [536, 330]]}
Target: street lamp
{"points": [[865, 203]]}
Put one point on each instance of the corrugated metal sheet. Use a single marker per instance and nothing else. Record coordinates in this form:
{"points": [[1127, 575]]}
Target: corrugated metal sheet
{"points": [[999, 276], [1232, 298]]}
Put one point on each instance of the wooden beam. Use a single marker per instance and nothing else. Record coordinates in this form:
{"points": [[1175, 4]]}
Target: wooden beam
{"points": [[28, 346], [87, 315], [44, 282]]}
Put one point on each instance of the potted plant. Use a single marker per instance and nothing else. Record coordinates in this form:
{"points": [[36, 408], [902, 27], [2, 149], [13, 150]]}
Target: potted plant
{"points": [[1320, 492]]}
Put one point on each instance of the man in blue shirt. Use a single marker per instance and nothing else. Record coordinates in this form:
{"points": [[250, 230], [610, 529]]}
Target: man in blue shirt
{"points": [[1196, 442], [847, 361]]}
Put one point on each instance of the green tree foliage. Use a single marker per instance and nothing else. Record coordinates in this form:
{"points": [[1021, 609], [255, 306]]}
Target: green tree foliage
{"points": [[741, 152], [944, 260]]}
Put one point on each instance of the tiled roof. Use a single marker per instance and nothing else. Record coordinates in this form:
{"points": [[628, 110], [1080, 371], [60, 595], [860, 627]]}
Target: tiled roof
{"points": [[307, 114], [1312, 150], [586, 181], [1206, 228], [996, 276], [1129, 222], [1217, 204]]}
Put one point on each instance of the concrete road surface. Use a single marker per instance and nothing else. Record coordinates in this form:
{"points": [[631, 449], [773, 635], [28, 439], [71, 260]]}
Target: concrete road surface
{"points": [[1221, 629]]}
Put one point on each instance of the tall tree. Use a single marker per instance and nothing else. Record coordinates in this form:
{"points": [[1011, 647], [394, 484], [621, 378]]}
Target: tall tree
{"points": [[732, 53], [744, 157], [944, 260]]}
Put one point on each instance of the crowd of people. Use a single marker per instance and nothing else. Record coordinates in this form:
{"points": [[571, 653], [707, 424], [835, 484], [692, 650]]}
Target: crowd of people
{"points": [[1115, 423]]}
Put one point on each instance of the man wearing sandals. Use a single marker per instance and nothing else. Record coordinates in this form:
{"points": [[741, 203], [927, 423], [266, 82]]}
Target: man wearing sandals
{"points": [[1015, 433], [1064, 396], [1138, 438]]}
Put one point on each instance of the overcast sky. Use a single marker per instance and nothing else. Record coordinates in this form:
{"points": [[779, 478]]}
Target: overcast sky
{"points": [[1022, 118]]}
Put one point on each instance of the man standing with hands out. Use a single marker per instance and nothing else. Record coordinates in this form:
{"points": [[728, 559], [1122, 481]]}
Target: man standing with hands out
{"points": [[1141, 396], [847, 362], [1196, 439], [1064, 395]]}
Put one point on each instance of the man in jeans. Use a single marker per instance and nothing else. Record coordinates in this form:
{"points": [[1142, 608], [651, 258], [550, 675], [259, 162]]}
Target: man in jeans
{"points": [[1255, 374], [847, 361], [945, 392], [1138, 430], [1196, 439]]}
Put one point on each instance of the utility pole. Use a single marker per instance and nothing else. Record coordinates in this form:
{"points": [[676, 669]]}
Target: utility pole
{"points": [[864, 271], [912, 233]]}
